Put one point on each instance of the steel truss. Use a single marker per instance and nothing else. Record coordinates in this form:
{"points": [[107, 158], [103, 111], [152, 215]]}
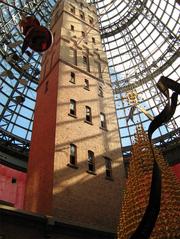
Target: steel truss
{"points": [[19, 74]]}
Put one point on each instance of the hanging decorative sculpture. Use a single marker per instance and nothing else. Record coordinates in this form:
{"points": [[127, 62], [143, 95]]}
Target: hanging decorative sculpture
{"points": [[12, 57], [37, 37], [133, 100], [19, 99], [7, 73], [132, 97]]}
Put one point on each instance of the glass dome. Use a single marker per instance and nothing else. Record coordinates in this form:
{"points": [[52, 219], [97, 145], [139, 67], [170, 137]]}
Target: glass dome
{"points": [[141, 41]]}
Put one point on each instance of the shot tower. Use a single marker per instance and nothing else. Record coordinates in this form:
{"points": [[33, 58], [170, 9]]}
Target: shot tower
{"points": [[75, 170]]}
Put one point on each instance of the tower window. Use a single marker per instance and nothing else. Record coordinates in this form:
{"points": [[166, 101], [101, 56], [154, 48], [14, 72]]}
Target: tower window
{"points": [[91, 21], [13, 180], [72, 9], [102, 121], [72, 79], [72, 28], [86, 84], [73, 154], [86, 62], [99, 70], [88, 114], [98, 67], [82, 16], [73, 56], [91, 161], [100, 91], [83, 34], [108, 168], [85, 59], [73, 107], [93, 40]]}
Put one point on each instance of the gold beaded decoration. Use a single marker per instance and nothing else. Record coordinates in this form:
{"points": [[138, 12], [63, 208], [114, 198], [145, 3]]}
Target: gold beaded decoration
{"points": [[136, 196]]}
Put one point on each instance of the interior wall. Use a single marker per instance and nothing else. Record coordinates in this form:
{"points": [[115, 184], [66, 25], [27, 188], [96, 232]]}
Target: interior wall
{"points": [[12, 186]]}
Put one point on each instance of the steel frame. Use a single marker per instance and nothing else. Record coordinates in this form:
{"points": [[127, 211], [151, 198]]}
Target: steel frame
{"points": [[141, 71]]}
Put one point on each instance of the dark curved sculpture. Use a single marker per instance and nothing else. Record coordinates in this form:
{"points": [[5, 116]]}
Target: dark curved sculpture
{"points": [[164, 84], [148, 221], [164, 116], [28, 22], [37, 37]]}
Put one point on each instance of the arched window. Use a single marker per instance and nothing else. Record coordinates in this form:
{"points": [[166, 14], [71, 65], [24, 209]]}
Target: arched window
{"points": [[88, 114], [72, 107], [91, 161]]}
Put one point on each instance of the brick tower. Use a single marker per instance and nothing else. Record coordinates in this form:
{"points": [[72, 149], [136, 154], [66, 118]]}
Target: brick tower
{"points": [[75, 170]]}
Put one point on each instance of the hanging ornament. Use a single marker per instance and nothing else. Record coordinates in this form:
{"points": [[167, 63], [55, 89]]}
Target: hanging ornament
{"points": [[37, 37]]}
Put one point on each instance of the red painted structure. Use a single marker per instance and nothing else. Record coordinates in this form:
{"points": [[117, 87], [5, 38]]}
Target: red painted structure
{"points": [[41, 158], [176, 170], [37, 37], [12, 186]]}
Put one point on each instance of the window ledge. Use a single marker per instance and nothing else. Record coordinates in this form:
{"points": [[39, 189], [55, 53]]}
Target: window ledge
{"points": [[86, 88], [88, 122], [72, 82], [74, 116], [72, 166], [91, 172], [105, 129], [109, 178]]}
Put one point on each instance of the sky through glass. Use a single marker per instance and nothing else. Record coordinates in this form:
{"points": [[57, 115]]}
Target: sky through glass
{"points": [[141, 40]]}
